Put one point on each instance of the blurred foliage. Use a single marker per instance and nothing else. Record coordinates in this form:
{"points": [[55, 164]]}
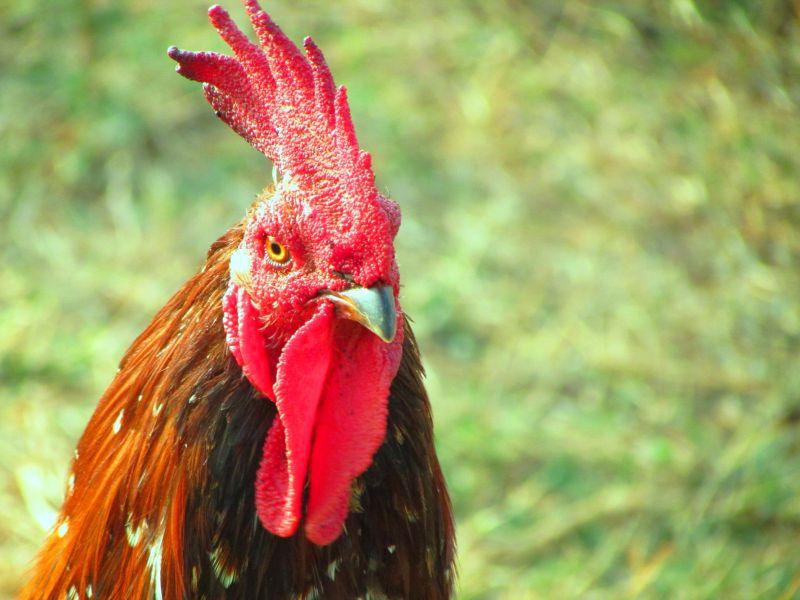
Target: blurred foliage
{"points": [[600, 249]]}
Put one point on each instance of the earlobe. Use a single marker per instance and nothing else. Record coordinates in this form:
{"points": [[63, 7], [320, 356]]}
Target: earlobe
{"points": [[243, 334]]}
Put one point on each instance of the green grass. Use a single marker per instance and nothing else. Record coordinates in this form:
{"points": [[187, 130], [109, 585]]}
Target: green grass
{"points": [[600, 249]]}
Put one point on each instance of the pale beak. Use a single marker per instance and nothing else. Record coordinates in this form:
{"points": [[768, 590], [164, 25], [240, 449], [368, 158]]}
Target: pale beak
{"points": [[373, 307]]}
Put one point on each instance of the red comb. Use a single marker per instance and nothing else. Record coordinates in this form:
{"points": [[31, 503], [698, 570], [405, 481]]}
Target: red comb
{"points": [[283, 103]]}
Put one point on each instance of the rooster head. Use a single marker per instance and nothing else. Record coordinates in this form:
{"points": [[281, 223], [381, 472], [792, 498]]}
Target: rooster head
{"points": [[311, 312]]}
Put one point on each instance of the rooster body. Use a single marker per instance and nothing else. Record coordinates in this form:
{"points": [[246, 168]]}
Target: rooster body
{"points": [[268, 435]]}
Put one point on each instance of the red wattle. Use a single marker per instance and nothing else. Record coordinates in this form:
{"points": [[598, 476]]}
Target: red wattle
{"points": [[351, 424], [301, 374], [331, 390]]}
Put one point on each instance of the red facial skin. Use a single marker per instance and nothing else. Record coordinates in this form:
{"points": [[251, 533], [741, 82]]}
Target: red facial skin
{"points": [[332, 247]]}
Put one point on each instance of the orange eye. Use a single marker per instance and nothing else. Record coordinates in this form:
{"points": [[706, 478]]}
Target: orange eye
{"points": [[277, 253]]}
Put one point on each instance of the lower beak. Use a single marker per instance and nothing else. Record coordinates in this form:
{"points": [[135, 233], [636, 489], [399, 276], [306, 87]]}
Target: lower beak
{"points": [[373, 307]]}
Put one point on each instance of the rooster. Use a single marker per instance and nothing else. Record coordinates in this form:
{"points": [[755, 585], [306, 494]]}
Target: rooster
{"points": [[268, 435]]}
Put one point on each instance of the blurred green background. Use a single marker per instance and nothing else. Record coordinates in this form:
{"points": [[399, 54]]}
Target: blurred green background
{"points": [[600, 249]]}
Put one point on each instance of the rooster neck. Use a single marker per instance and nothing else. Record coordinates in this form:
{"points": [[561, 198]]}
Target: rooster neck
{"points": [[160, 501], [398, 535]]}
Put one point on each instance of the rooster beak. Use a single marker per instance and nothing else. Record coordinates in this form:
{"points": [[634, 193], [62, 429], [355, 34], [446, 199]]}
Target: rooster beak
{"points": [[373, 307]]}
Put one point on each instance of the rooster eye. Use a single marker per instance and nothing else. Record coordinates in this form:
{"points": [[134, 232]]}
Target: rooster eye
{"points": [[276, 253]]}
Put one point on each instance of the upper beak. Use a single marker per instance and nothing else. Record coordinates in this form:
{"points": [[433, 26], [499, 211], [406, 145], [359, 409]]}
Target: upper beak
{"points": [[373, 307]]}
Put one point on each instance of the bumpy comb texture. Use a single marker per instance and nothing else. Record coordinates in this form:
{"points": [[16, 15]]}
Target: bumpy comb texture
{"points": [[283, 103]]}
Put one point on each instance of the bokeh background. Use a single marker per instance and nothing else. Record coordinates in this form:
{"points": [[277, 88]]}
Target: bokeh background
{"points": [[600, 249]]}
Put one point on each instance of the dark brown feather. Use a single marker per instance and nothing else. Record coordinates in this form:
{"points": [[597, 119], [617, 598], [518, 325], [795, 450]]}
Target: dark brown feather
{"points": [[162, 485]]}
